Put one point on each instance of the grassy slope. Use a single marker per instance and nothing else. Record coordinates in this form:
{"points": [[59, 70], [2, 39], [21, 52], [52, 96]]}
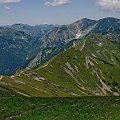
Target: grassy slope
{"points": [[84, 108], [91, 68]]}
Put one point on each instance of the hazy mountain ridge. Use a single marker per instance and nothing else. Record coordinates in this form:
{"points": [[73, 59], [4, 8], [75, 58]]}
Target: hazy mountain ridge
{"points": [[14, 50], [37, 30]]}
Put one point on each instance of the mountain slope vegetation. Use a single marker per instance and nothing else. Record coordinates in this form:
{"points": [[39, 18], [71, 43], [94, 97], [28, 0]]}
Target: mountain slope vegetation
{"points": [[90, 68], [84, 108]]}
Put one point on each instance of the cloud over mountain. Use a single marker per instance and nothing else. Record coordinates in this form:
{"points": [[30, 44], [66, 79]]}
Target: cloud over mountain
{"points": [[55, 3], [113, 5]]}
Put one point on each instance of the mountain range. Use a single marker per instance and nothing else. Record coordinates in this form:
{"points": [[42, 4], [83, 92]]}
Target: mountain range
{"points": [[79, 59], [28, 46]]}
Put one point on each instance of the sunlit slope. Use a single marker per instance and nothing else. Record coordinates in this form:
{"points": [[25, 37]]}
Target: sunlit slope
{"points": [[88, 69]]}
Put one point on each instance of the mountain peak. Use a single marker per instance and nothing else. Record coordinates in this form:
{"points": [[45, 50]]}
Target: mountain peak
{"points": [[84, 20], [112, 19]]}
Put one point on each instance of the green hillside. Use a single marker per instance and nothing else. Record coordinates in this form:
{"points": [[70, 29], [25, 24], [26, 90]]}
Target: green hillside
{"points": [[88, 69]]}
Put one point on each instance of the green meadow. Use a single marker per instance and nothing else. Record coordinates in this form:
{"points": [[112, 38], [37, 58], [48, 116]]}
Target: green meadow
{"points": [[83, 108]]}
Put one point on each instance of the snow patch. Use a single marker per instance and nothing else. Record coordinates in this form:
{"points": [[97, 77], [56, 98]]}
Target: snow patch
{"points": [[100, 44], [78, 35], [22, 37], [12, 76]]}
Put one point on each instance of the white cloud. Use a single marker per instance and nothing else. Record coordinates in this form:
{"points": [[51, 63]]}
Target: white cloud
{"points": [[55, 3], [7, 8], [113, 5], [9, 1]]}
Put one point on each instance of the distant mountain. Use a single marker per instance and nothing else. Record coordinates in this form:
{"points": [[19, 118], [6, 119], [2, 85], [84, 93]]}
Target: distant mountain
{"points": [[16, 48], [107, 26], [61, 35], [90, 68], [37, 30], [68, 32], [19, 44], [83, 27]]}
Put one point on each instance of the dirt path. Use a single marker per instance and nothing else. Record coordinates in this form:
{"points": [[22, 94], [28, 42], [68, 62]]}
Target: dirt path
{"points": [[83, 45], [45, 65], [1, 77]]}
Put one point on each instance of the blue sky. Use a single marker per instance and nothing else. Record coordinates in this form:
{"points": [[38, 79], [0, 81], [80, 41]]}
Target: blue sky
{"points": [[55, 11]]}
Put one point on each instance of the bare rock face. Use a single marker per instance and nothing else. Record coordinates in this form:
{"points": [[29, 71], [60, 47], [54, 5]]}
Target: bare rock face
{"points": [[36, 61]]}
